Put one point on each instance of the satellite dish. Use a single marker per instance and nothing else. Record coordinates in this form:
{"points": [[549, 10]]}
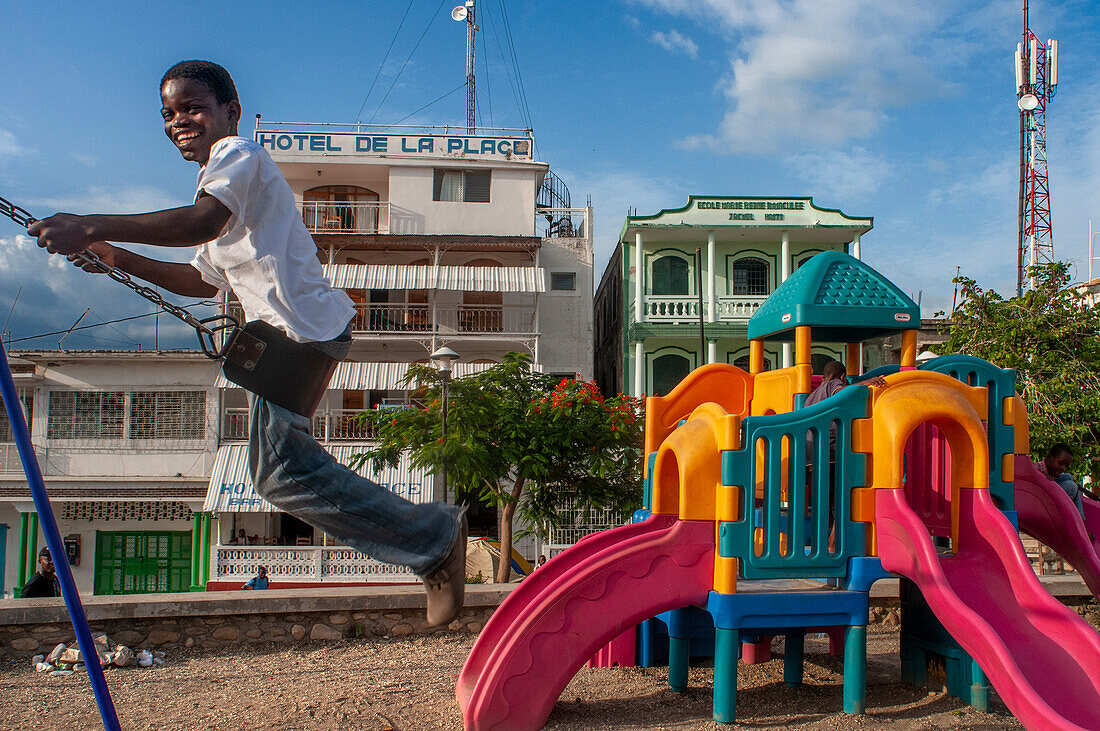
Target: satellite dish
{"points": [[460, 13], [1028, 102]]}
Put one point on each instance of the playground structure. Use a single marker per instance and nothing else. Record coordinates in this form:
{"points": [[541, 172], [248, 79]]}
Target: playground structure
{"points": [[755, 527]]}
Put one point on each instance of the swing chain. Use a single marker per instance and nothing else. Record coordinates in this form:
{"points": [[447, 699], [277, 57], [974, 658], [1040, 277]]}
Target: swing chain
{"points": [[207, 334]]}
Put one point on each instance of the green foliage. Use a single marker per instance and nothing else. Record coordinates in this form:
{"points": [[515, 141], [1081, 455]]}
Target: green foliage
{"points": [[517, 440], [1051, 337]]}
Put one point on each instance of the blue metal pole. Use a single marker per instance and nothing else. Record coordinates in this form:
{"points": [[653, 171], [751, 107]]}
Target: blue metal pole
{"points": [[57, 548]]}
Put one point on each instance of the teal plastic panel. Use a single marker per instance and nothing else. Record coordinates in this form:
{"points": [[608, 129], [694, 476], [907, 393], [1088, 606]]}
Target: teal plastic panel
{"points": [[1001, 383], [804, 520]]}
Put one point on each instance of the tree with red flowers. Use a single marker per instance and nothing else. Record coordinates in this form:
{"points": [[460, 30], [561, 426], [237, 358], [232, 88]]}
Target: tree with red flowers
{"points": [[519, 440]]}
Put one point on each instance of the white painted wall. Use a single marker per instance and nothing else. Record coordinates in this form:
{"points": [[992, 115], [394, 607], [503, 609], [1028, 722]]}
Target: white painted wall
{"points": [[565, 318]]}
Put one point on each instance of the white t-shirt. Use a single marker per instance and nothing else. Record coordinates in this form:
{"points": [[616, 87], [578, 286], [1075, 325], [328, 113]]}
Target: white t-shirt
{"points": [[265, 254]]}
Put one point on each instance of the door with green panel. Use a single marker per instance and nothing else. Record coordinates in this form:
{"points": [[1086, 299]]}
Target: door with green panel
{"points": [[142, 562]]}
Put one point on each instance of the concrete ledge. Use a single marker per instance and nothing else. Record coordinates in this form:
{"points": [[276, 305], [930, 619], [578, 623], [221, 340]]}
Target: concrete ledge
{"points": [[226, 618], [222, 603]]}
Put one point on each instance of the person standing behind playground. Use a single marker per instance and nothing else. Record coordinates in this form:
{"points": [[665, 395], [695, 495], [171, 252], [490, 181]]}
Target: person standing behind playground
{"points": [[44, 583], [251, 240], [1054, 466]]}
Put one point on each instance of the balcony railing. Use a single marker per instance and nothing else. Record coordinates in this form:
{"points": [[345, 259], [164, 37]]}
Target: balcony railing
{"points": [[341, 425], [738, 308], [385, 318], [9, 460], [466, 319], [685, 309], [312, 564], [334, 425], [672, 309], [324, 217]]}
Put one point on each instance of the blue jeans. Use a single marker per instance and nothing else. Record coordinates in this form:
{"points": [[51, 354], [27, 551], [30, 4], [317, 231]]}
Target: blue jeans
{"points": [[1067, 483], [294, 473]]}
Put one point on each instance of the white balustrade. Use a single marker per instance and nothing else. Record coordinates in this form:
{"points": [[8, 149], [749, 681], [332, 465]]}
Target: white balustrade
{"points": [[305, 564], [685, 309], [671, 309], [738, 308]]}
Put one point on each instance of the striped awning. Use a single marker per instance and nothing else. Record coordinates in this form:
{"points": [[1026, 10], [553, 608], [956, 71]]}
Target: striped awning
{"points": [[425, 276], [231, 489], [353, 376]]}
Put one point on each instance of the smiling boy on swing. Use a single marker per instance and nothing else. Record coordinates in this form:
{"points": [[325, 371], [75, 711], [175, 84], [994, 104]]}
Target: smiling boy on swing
{"points": [[251, 240]]}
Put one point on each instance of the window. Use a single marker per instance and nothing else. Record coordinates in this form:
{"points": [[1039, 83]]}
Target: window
{"points": [[462, 186], [670, 276], [168, 415], [563, 281], [750, 277], [26, 397], [175, 415], [85, 415]]}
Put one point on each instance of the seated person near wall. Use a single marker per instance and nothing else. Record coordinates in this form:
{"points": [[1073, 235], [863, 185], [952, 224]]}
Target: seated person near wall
{"points": [[259, 581], [1054, 466], [44, 583]]}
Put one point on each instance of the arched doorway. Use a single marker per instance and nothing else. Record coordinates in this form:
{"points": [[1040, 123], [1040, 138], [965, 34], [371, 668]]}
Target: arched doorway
{"points": [[340, 209]]}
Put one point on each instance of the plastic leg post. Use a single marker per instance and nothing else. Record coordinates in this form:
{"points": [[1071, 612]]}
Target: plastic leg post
{"points": [[855, 670], [792, 659], [979, 688], [754, 653], [679, 657], [725, 675], [53, 539]]}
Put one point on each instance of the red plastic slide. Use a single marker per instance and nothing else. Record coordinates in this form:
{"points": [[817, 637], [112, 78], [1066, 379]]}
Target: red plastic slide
{"points": [[543, 633], [1047, 514], [1043, 659]]}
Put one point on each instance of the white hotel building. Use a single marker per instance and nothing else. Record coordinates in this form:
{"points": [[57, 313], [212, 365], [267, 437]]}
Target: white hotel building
{"points": [[439, 237]]}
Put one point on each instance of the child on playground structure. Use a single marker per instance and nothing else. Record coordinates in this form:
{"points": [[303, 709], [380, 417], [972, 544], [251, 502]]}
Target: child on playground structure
{"points": [[1054, 466], [252, 241]]}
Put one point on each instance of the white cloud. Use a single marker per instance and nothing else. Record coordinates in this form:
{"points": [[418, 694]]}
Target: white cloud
{"points": [[98, 199], [55, 293], [676, 42], [842, 175], [8, 144], [827, 73]]}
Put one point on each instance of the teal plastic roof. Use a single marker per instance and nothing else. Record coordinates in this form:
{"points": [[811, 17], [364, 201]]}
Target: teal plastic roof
{"points": [[842, 300]]}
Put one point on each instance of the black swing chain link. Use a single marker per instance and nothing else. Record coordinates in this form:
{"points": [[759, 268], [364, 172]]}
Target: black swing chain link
{"points": [[206, 334]]}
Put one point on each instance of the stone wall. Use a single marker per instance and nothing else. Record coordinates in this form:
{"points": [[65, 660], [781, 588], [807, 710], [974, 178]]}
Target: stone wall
{"points": [[212, 620]]}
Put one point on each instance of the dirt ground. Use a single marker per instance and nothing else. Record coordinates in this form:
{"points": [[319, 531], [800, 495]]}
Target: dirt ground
{"points": [[408, 683]]}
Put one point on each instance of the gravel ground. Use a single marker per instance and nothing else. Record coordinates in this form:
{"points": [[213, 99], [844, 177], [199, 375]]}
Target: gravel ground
{"points": [[408, 683]]}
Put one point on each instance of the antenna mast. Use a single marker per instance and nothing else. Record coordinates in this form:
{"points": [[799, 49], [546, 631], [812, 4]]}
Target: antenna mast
{"points": [[460, 13], [1036, 82]]}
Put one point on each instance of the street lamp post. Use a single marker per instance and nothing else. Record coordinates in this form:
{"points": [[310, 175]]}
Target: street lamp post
{"points": [[443, 359]]}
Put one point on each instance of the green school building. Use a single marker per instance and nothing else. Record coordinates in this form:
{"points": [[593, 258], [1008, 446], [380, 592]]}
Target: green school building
{"points": [[708, 265]]}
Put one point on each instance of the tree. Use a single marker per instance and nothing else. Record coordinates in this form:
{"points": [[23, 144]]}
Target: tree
{"points": [[1051, 337], [518, 441]]}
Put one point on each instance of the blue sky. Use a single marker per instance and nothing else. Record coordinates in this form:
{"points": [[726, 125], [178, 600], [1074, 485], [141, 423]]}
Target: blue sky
{"points": [[902, 110]]}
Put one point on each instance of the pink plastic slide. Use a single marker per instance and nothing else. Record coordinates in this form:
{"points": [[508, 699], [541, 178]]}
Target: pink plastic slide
{"points": [[543, 633], [1047, 513], [1043, 659]]}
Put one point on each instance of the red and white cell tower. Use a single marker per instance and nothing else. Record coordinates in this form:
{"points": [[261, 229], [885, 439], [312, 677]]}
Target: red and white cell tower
{"points": [[1036, 82]]}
